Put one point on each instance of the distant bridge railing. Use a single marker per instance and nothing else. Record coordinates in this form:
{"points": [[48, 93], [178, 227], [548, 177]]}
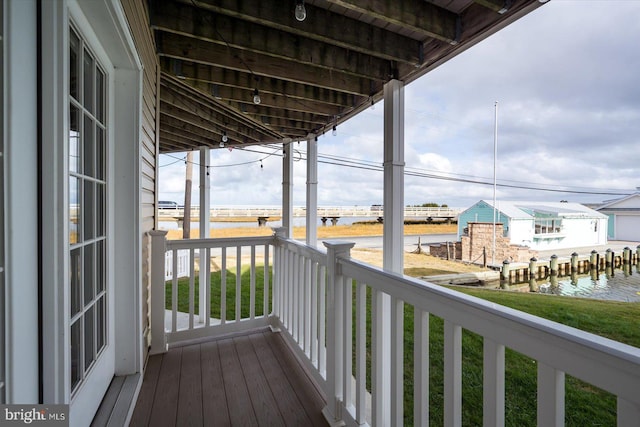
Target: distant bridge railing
{"points": [[328, 211]]}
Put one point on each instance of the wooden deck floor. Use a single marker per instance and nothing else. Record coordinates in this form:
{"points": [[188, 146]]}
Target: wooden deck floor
{"points": [[250, 380]]}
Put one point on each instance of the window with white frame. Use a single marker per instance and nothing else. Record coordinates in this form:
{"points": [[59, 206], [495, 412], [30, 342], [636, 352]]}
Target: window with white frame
{"points": [[87, 208]]}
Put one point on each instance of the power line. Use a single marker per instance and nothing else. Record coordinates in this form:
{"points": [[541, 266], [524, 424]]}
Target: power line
{"points": [[363, 164]]}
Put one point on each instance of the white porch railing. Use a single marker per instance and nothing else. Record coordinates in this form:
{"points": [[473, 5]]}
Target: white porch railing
{"points": [[202, 311], [313, 304], [182, 264]]}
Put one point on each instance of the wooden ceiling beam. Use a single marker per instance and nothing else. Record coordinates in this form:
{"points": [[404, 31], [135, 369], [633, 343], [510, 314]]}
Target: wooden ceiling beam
{"points": [[193, 100], [217, 119], [188, 130], [172, 129], [171, 146], [420, 16], [236, 35], [321, 25], [188, 48], [180, 141], [235, 96], [178, 134], [202, 73], [306, 119], [197, 124]]}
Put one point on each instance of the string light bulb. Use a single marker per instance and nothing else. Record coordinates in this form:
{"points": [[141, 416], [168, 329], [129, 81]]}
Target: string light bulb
{"points": [[300, 11], [334, 132], [225, 138], [256, 96]]}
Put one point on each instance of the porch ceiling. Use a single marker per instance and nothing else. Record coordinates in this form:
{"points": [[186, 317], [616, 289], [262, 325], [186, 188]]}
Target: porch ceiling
{"points": [[310, 75]]}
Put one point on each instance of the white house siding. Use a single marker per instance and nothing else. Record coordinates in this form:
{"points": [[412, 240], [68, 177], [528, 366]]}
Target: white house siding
{"points": [[520, 232], [576, 232], [137, 14]]}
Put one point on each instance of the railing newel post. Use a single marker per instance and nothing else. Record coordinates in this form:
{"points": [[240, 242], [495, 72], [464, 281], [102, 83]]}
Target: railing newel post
{"points": [[157, 309], [335, 326], [279, 233]]}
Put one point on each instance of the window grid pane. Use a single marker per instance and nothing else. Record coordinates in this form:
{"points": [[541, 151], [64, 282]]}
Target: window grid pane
{"points": [[76, 354], [88, 66], [88, 207], [89, 334], [75, 221], [88, 145], [74, 50]]}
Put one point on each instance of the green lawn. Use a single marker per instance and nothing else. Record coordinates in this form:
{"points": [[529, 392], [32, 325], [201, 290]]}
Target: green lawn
{"points": [[585, 405], [216, 293]]}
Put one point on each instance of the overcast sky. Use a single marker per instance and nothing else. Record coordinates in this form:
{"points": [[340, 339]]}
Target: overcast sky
{"points": [[567, 81]]}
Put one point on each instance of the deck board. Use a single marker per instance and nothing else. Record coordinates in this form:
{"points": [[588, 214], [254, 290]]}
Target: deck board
{"points": [[287, 400], [264, 403], [214, 398], [309, 396], [240, 408], [164, 410], [190, 395], [246, 380], [144, 405]]}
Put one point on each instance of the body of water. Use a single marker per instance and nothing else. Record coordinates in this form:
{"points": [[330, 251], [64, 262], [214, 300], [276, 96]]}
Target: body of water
{"points": [[615, 285]]}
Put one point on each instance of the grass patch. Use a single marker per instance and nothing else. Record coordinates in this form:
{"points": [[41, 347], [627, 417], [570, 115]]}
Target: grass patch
{"points": [[216, 293]]}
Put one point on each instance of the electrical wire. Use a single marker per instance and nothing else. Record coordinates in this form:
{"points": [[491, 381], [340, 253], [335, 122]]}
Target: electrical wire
{"points": [[424, 173]]}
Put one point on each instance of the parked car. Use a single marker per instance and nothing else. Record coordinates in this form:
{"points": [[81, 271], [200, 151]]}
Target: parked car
{"points": [[166, 204]]}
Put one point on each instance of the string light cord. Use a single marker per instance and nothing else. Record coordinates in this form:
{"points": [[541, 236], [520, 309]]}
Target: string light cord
{"points": [[178, 160]]}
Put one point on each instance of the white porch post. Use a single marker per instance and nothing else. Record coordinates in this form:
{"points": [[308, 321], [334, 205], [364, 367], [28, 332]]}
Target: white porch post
{"points": [[157, 305], [312, 191], [287, 190], [393, 241], [205, 185]]}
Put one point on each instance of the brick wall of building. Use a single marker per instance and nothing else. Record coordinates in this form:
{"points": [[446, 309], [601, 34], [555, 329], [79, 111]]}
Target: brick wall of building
{"points": [[480, 236], [478, 243], [454, 250]]}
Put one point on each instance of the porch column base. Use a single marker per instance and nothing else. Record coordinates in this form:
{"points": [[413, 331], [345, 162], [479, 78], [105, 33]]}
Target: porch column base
{"points": [[330, 418]]}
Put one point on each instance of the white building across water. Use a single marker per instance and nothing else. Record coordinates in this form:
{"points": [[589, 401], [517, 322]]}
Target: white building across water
{"points": [[540, 225]]}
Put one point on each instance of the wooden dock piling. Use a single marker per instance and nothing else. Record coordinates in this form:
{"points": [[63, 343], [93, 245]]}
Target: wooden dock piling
{"points": [[505, 270], [593, 260], [576, 265], [553, 265]]}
